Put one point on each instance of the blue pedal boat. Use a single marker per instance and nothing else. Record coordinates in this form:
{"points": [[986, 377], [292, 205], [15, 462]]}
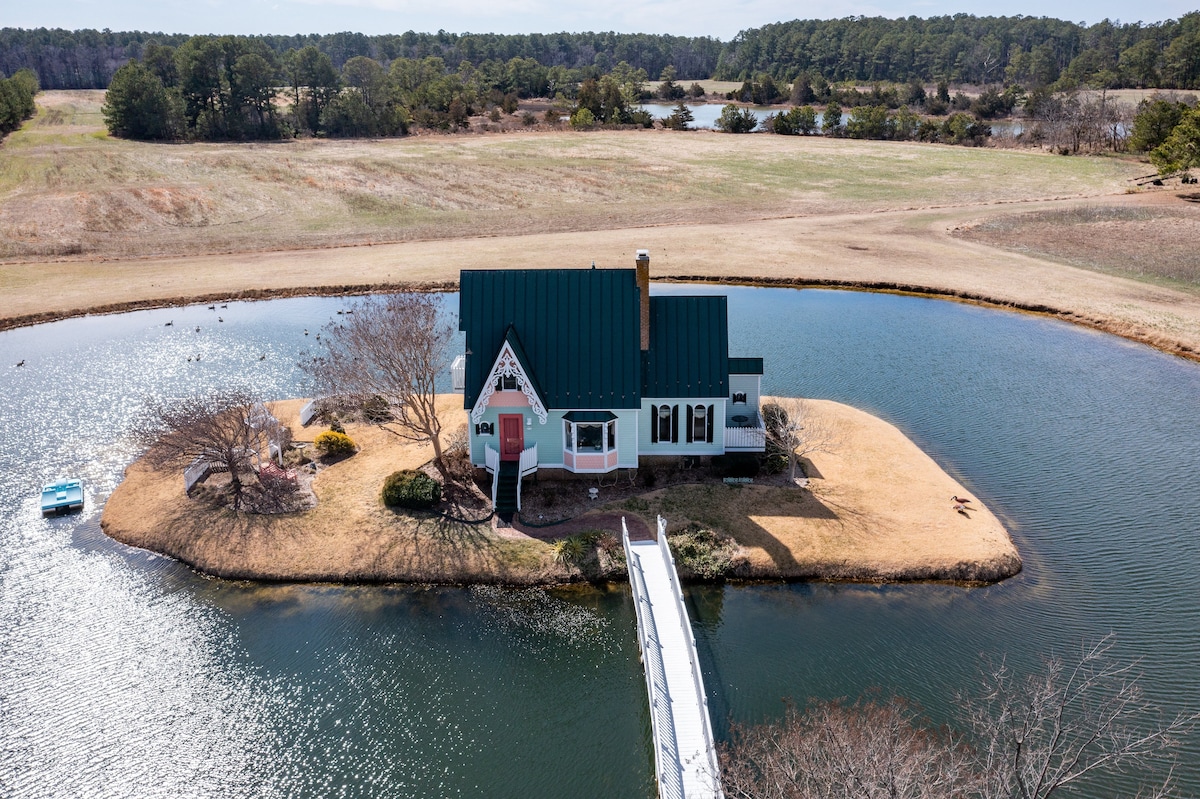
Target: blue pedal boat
{"points": [[65, 495]]}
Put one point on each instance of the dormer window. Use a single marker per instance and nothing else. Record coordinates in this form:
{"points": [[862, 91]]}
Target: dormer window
{"points": [[504, 383]]}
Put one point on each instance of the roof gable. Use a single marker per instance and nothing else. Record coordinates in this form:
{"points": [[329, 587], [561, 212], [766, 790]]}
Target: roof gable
{"points": [[579, 330]]}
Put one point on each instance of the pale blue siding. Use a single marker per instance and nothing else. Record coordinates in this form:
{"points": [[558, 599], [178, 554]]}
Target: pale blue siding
{"points": [[717, 446], [751, 386]]}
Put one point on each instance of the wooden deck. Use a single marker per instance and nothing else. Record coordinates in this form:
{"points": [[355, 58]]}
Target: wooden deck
{"points": [[684, 753]]}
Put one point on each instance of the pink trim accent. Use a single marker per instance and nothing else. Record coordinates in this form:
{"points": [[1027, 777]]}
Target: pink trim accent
{"points": [[508, 399], [569, 459], [612, 459], [590, 462]]}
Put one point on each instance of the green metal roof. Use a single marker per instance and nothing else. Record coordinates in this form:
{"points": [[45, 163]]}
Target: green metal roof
{"points": [[745, 366], [579, 329], [689, 348]]}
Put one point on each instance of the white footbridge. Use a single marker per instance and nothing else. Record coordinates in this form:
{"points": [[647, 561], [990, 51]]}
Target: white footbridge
{"points": [[685, 756]]}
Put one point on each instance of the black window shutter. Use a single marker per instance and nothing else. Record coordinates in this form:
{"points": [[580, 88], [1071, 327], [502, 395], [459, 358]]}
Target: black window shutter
{"points": [[690, 424], [674, 424], [709, 431], [654, 423]]}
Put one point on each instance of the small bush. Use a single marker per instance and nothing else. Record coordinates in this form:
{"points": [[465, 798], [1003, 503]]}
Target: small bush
{"points": [[649, 478], [409, 488], [333, 443], [775, 463], [705, 553], [736, 464], [335, 425], [376, 410]]}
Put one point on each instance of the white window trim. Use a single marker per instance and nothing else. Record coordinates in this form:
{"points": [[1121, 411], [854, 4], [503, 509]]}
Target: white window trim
{"points": [[571, 445]]}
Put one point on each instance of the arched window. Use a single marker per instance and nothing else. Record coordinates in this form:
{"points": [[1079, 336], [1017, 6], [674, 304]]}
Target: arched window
{"points": [[664, 427]]}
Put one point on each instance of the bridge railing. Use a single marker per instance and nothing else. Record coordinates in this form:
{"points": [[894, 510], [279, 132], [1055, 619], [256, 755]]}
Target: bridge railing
{"points": [[670, 777], [710, 749]]}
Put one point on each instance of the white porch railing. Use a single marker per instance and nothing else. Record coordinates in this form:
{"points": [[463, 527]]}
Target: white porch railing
{"points": [[751, 437], [308, 411], [458, 373], [194, 473], [529, 465], [491, 462]]}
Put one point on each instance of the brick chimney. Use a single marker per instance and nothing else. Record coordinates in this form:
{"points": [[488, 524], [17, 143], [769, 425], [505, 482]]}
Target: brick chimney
{"points": [[643, 281]]}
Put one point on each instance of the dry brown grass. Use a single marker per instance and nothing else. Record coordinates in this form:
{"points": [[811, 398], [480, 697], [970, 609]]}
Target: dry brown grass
{"points": [[108, 217], [1156, 243], [857, 522], [69, 190], [350, 536]]}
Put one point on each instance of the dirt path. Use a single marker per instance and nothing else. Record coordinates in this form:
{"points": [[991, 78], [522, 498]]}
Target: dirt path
{"points": [[910, 250]]}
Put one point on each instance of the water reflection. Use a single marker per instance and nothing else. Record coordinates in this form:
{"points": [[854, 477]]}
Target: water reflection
{"points": [[122, 673]]}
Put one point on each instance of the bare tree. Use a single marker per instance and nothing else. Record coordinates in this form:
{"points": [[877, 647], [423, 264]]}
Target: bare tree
{"points": [[865, 750], [1022, 739], [225, 428], [795, 430], [393, 349], [1053, 730]]}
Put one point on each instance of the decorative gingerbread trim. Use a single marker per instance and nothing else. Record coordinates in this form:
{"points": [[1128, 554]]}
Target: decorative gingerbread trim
{"points": [[507, 365]]}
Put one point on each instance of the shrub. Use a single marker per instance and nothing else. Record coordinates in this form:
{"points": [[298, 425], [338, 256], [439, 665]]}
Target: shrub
{"points": [[335, 425], [583, 118], [409, 488], [332, 443], [376, 410], [736, 464], [705, 553], [775, 463]]}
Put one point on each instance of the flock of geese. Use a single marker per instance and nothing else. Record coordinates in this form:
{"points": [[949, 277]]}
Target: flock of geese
{"points": [[214, 307]]}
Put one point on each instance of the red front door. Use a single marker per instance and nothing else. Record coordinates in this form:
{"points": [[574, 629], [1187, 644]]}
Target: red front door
{"points": [[512, 437]]}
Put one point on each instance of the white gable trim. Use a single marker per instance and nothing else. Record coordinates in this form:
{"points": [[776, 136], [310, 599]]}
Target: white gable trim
{"points": [[507, 365]]}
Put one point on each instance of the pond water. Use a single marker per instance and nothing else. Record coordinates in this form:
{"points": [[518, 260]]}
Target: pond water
{"points": [[705, 114], [123, 673]]}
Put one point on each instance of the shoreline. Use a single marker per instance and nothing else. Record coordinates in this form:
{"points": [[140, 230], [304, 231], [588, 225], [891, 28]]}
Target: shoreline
{"points": [[854, 523], [1110, 326]]}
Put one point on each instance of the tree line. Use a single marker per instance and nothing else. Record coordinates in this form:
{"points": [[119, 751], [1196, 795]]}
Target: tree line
{"points": [[229, 88], [1031, 51], [88, 59]]}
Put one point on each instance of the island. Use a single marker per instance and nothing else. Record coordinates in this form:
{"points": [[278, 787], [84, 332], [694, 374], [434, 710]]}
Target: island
{"points": [[875, 508]]}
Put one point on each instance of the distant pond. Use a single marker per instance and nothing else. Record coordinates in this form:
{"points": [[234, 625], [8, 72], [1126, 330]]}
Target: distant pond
{"points": [[123, 673]]}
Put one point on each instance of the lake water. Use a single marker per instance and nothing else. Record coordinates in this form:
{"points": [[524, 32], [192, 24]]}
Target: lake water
{"points": [[123, 673], [705, 114]]}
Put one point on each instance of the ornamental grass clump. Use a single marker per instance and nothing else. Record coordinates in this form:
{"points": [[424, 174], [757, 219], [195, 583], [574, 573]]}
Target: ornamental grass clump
{"points": [[334, 444], [409, 488]]}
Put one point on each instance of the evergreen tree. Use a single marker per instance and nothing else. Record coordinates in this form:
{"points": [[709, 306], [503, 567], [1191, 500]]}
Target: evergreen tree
{"points": [[138, 106]]}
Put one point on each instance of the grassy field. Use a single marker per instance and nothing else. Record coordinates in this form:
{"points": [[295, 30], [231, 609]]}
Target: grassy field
{"points": [[92, 223], [68, 190]]}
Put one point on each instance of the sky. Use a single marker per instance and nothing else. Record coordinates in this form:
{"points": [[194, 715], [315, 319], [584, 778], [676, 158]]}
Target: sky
{"points": [[721, 19]]}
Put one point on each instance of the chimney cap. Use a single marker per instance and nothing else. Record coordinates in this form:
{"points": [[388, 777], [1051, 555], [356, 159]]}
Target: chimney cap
{"points": [[643, 255]]}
